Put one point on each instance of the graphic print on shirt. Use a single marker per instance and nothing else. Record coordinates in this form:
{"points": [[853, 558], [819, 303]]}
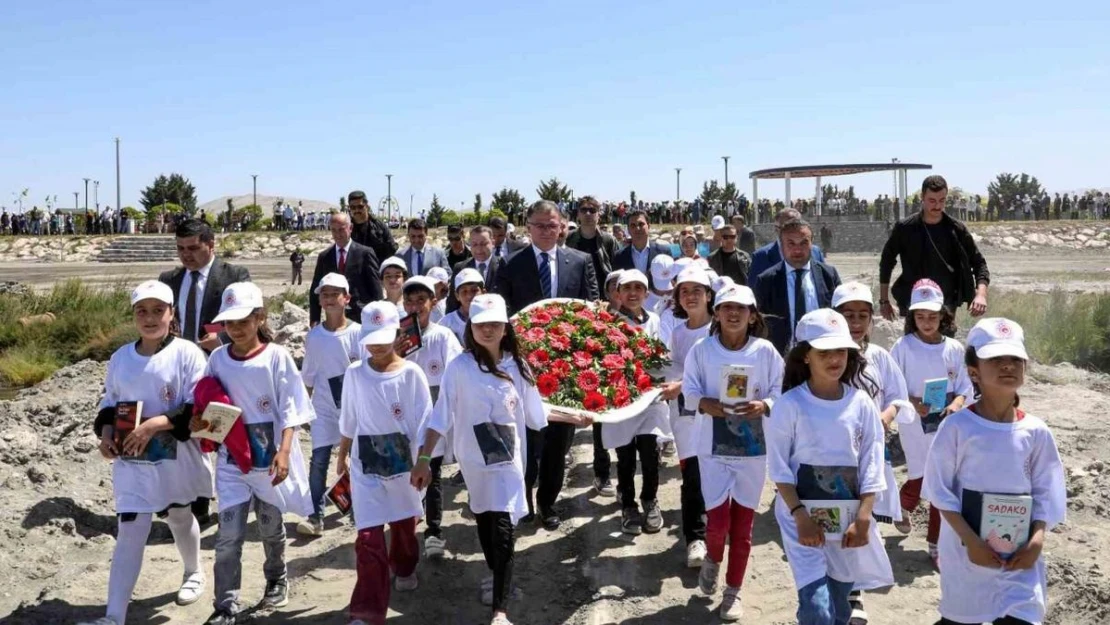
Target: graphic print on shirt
{"points": [[263, 449], [497, 442], [828, 482], [738, 437], [385, 455], [162, 446], [336, 386]]}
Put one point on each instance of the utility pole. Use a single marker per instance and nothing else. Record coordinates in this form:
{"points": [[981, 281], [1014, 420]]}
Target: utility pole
{"points": [[87, 197], [119, 206], [96, 195], [75, 194], [254, 192], [726, 168], [388, 193], [677, 183]]}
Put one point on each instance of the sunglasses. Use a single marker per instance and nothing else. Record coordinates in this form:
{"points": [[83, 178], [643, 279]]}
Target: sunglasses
{"points": [[588, 211], [454, 239], [728, 236]]}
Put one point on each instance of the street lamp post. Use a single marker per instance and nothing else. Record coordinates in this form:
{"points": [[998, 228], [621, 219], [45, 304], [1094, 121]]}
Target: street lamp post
{"points": [[725, 158], [96, 195], [388, 194], [254, 192], [677, 183], [75, 194], [119, 206], [87, 195]]}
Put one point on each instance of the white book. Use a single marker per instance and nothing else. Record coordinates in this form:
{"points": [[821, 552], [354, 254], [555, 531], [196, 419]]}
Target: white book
{"points": [[832, 515], [736, 386], [1002, 521], [220, 418]]}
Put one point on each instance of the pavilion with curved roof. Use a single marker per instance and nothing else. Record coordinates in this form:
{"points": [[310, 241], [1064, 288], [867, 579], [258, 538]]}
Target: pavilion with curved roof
{"points": [[820, 171]]}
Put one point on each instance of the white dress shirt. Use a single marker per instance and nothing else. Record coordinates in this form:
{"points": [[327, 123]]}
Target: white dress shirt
{"points": [[553, 265], [640, 258], [183, 298], [808, 289]]}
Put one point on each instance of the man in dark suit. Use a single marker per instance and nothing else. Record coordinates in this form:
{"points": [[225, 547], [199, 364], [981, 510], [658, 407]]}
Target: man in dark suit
{"points": [[796, 285], [198, 288], [771, 254], [639, 253], [482, 259], [357, 262], [535, 273], [419, 257], [503, 246]]}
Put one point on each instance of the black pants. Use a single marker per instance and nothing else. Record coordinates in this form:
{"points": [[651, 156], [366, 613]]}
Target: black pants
{"points": [[200, 508], [1006, 620], [693, 504], [557, 438], [647, 447], [602, 462], [433, 500], [534, 439], [497, 535]]}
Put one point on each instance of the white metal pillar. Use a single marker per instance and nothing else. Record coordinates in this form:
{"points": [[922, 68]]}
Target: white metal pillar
{"points": [[818, 199], [787, 178], [755, 200]]}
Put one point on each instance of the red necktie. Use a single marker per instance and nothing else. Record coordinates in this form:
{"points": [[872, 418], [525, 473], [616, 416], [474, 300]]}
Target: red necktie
{"points": [[342, 260]]}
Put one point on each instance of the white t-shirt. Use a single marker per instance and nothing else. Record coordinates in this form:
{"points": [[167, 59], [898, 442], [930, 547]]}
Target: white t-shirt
{"points": [[920, 361], [438, 311], [455, 323], [170, 471], [667, 323], [724, 476], [439, 349], [327, 355], [890, 390], [683, 421], [269, 390], [382, 414], [656, 303], [654, 419], [1018, 458], [809, 436], [487, 416]]}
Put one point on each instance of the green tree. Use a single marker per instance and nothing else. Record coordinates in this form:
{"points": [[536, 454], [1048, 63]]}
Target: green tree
{"points": [[174, 189], [477, 204], [507, 201], [435, 213], [1007, 188], [554, 191], [710, 192]]}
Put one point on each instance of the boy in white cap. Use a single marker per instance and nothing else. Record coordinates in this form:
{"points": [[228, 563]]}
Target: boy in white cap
{"points": [[261, 378], [394, 273], [443, 282], [468, 284], [612, 294], [440, 347], [155, 466], [662, 274], [994, 450], [329, 349], [387, 405], [716, 224]]}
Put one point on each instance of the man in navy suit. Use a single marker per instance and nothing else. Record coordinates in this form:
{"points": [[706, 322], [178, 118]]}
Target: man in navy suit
{"points": [[798, 284], [538, 272], [639, 253], [419, 256], [771, 254]]}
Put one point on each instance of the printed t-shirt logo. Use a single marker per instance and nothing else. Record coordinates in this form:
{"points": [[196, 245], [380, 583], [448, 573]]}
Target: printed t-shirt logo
{"points": [[398, 411], [168, 394], [511, 403], [265, 404], [434, 367]]}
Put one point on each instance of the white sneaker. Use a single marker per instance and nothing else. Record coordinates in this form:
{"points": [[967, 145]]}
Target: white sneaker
{"points": [[731, 610], [500, 620], [695, 554], [192, 587], [406, 584], [358, 621], [104, 620], [311, 527], [435, 547], [707, 579]]}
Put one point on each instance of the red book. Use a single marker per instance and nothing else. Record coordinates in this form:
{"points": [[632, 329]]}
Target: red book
{"points": [[128, 415], [340, 493]]}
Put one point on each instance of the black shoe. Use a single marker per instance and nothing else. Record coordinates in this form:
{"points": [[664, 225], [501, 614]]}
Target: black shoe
{"points": [[277, 594], [550, 519], [221, 617], [528, 518], [653, 518], [631, 522]]}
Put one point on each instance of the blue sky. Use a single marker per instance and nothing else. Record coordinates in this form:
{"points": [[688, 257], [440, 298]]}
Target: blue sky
{"points": [[456, 98]]}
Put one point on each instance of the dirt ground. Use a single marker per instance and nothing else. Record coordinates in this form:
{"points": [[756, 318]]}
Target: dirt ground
{"points": [[58, 524]]}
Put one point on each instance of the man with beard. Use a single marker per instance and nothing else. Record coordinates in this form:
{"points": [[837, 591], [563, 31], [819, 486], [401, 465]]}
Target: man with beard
{"points": [[367, 230]]}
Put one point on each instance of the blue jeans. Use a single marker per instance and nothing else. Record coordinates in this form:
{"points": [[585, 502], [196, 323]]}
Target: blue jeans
{"points": [[318, 479], [824, 602]]}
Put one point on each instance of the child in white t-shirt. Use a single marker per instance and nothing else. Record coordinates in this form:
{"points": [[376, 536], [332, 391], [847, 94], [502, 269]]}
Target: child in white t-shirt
{"points": [[439, 348], [993, 448], [386, 403], [488, 400], [825, 447], [156, 467], [639, 435], [731, 446], [926, 353], [261, 378], [468, 284], [854, 301], [330, 347], [442, 279], [612, 293], [662, 273], [394, 273]]}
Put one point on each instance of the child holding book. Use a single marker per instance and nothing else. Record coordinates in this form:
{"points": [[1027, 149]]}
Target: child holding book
{"points": [[853, 300], [439, 348], [639, 435], [468, 284], [731, 447], [394, 273], [156, 468], [992, 567], [386, 403], [488, 398], [261, 378], [693, 314], [825, 455], [329, 349], [926, 354]]}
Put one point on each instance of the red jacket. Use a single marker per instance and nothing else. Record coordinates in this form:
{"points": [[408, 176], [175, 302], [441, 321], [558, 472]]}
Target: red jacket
{"points": [[208, 390]]}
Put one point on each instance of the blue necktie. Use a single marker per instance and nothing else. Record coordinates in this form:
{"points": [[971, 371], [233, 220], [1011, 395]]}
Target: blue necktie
{"points": [[545, 275], [420, 263]]}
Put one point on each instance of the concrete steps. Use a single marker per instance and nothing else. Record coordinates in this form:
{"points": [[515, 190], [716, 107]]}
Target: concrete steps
{"points": [[139, 248]]}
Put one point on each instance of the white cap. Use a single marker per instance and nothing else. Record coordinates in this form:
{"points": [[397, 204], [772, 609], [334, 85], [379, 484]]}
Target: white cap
{"points": [[702, 262], [488, 308], [439, 274], [240, 300], [824, 329], [851, 292], [995, 336], [662, 271], [333, 279], [628, 276], [393, 261], [469, 276], [717, 222], [152, 289], [571, 227], [694, 275], [426, 282], [510, 228], [613, 275], [734, 294], [926, 295], [681, 264], [380, 322]]}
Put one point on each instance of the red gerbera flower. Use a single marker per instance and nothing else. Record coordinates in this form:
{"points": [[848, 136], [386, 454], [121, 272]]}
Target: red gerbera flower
{"points": [[582, 359], [643, 382], [641, 345], [565, 328], [561, 368], [533, 335], [538, 358], [617, 338], [589, 380], [621, 397], [594, 346], [540, 317], [547, 384], [605, 315], [627, 354], [612, 361], [594, 401], [586, 314], [559, 342], [616, 379]]}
